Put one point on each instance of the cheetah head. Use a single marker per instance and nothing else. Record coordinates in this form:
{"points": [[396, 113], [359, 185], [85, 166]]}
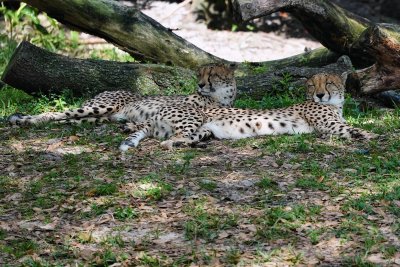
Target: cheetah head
{"points": [[218, 82], [326, 88]]}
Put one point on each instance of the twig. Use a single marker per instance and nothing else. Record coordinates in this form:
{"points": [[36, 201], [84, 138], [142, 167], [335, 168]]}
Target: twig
{"points": [[180, 5]]}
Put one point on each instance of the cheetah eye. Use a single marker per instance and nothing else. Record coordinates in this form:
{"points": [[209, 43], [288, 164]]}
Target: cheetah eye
{"points": [[329, 83], [311, 85]]}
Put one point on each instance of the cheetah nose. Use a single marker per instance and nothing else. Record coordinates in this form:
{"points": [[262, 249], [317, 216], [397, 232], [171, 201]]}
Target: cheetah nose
{"points": [[201, 85], [320, 96]]}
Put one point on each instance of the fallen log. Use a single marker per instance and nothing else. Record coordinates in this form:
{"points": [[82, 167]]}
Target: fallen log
{"points": [[259, 85], [390, 98], [344, 33], [34, 70]]}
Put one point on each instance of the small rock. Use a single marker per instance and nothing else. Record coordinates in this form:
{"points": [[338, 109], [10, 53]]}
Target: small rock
{"points": [[350, 170], [247, 183], [274, 164], [362, 151]]}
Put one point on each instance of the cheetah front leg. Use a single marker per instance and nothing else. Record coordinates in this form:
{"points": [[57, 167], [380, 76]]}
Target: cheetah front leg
{"points": [[343, 130], [143, 130]]}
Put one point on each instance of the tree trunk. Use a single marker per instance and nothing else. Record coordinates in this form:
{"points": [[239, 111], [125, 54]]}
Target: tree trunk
{"points": [[344, 33], [33, 69], [382, 42]]}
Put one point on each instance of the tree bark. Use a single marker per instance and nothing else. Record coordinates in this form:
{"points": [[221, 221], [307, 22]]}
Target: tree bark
{"points": [[390, 98], [33, 69]]}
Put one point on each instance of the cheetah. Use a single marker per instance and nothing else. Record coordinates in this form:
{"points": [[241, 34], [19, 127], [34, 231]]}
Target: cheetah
{"points": [[216, 88], [186, 125]]}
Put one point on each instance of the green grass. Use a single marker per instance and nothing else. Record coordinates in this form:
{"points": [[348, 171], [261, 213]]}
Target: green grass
{"points": [[208, 185], [113, 54], [151, 187], [19, 247], [279, 222], [105, 189], [266, 183], [282, 94], [125, 213], [204, 224]]}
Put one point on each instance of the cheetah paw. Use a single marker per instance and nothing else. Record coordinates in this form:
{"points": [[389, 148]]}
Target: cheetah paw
{"points": [[129, 127], [125, 145], [370, 136], [15, 119]]}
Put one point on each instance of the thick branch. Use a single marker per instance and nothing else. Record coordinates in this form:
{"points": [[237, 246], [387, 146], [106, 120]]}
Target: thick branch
{"points": [[382, 42], [330, 24], [128, 28]]}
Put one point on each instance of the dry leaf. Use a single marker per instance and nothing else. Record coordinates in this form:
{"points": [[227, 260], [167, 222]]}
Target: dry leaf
{"points": [[223, 234], [73, 138]]}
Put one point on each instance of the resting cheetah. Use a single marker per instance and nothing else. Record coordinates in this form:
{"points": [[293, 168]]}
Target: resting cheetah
{"points": [[187, 124], [216, 88]]}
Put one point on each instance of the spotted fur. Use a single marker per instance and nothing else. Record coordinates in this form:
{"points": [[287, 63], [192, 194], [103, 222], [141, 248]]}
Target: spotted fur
{"points": [[322, 112], [216, 88]]}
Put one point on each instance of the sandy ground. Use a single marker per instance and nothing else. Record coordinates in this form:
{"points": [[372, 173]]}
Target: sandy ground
{"points": [[235, 46]]}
